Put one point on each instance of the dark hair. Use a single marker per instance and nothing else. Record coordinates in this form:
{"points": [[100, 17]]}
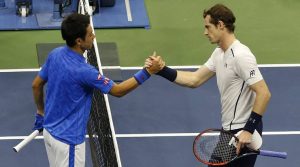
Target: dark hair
{"points": [[73, 27], [220, 12]]}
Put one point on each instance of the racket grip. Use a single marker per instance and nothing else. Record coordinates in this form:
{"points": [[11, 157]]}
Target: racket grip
{"points": [[24, 142], [282, 155]]}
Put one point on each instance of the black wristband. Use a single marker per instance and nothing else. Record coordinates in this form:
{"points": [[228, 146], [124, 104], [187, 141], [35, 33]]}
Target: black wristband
{"points": [[168, 73], [252, 122]]}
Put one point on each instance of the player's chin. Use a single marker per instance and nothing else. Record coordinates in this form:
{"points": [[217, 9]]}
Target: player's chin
{"points": [[211, 41]]}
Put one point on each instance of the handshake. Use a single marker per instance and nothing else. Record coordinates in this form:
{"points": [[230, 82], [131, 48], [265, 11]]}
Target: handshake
{"points": [[154, 64]]}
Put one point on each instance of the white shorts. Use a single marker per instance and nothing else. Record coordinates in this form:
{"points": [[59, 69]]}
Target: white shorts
{"points": [[63, 155]]}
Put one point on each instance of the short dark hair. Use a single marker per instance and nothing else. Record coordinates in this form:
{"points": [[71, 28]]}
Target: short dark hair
{"points": [[220, 12], [73, 27]]}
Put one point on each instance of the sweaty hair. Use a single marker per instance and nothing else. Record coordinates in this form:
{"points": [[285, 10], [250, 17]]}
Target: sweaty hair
{"points": [[73, 27], [220, 12]]}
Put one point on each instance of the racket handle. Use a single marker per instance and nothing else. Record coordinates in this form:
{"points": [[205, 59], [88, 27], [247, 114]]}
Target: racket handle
{"points": [[24, 142], [282, 155]]}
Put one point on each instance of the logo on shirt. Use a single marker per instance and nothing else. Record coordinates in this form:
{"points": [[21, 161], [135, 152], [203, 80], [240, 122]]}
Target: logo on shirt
{"points": [[105, 80], [252, 73], [99, 77]]}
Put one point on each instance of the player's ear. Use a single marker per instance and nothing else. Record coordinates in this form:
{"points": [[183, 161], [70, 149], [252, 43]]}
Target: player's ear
{"points": [[78, 41], [221, 24]]}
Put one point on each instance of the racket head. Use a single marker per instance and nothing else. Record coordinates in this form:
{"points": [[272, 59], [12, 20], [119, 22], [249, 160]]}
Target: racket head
{"points": [[213, 147]]}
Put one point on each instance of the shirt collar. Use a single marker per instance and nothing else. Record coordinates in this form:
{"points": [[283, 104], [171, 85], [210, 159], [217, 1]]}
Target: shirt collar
{"points": [[235, 42], [74, 54]]}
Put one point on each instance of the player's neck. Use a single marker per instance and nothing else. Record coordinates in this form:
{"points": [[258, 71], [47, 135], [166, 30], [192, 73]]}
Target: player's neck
{"points": [[226, 41], [77, 49]]}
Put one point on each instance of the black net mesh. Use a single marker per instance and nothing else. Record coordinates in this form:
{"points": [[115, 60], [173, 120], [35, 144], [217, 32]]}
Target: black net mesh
{"points": [[99, 131]]}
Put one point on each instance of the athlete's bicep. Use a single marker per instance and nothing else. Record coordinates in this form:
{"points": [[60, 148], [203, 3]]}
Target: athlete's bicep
{"points": [[92, 78], [263, 96], [38, 82], [260, 87]]}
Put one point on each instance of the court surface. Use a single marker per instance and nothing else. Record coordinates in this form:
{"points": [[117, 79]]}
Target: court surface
{"points": [[156, 123]]}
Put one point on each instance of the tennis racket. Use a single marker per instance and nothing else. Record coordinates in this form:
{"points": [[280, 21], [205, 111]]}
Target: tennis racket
{"points": [[24, 142], [214, 147]]}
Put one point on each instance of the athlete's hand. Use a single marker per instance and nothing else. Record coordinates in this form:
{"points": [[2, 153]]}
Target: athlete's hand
{"points": [[39, 122], [244, 138], [150, 60]]}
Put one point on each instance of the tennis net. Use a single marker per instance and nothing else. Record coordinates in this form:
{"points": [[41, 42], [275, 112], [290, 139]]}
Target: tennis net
{"points": [[103, 143]]}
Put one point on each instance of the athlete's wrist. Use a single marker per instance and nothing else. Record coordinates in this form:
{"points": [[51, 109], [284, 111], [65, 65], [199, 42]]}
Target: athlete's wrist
{"points": [[252, 122], [168, 73], [39, 121], [141, 76]]}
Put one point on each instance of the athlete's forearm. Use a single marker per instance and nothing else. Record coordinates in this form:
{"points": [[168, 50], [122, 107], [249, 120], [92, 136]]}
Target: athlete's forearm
{"points": [[119, 90], [194, 79], [39, 99], [187, 79]]}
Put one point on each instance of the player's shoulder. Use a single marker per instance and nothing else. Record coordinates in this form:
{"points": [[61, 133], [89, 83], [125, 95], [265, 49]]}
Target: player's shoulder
{"points": [[217, 52], [84, 69], [83, 72], [56, 52]]}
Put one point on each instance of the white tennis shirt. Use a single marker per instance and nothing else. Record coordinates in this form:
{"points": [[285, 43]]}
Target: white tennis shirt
{"points": [[235, 69]]}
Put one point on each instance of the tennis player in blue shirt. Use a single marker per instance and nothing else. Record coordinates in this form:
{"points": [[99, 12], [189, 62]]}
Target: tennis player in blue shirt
{"points": [[70, 83]]}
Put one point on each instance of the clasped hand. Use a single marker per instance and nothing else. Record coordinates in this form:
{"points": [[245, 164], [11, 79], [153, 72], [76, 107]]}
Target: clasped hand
{"points": [[154, 63]]}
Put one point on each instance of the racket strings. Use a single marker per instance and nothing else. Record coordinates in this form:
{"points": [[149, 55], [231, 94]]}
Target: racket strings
{"points": [[215, 148]]}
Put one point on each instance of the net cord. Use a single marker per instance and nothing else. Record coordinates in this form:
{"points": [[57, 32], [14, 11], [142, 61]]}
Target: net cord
{"points": [[90, 13]]}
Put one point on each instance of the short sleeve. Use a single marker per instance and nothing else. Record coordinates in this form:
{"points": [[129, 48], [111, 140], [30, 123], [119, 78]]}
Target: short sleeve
{"points": [[246, 67], [94, 79], [210, 64], [43, 73]]}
